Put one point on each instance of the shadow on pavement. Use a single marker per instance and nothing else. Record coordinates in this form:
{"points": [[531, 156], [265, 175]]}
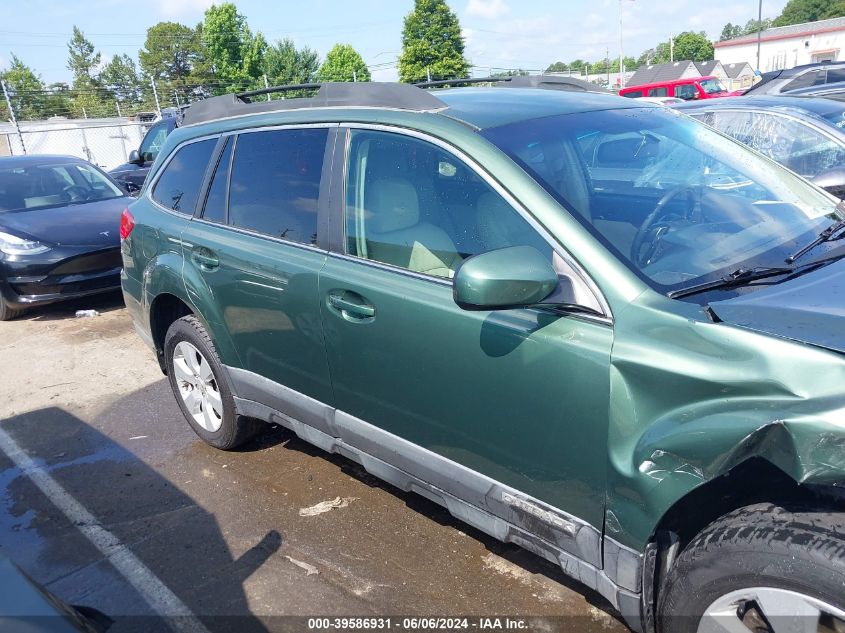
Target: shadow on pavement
{"points": [[176, 539]]}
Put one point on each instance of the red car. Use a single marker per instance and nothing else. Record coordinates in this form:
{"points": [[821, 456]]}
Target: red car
{"points": [[686, 89]]}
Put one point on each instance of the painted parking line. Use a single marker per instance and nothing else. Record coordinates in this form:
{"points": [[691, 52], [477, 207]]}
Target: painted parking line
{"points": [[155, 593]]}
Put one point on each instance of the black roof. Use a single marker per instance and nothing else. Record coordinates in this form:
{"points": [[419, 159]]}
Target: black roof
{"points": [[392, 95], [7, 162], [339, 94]]}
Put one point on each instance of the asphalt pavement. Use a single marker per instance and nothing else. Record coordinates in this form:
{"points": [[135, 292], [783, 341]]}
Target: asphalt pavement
{"points": [[109, 500]]}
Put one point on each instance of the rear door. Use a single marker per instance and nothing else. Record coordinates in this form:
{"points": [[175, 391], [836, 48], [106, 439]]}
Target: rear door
{"points": [[254, 253]]}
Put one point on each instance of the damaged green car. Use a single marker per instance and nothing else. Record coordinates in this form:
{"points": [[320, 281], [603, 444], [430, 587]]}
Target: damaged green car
{"points": [[597, 329]]}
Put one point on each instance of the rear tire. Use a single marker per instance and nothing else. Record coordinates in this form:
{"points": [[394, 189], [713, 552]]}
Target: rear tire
{"points": [[201, 387], [755, 564], [7, 312]]}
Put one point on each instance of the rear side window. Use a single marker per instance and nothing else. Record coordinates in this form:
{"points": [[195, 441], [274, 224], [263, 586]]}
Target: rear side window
{"points": [[633, 94], [658, 92], [178, 186], [215, 202], [805, 80], [686, 91], [275, 183]]}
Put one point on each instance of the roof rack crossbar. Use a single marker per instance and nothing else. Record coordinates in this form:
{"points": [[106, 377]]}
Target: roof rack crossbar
{"points": [[330, 94]]}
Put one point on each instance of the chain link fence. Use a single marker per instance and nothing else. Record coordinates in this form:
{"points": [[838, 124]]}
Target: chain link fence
{"points": [[104, 142]]}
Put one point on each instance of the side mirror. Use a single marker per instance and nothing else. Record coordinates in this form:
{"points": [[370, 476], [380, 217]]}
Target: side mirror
{"points": [[514, 277], [832, 180], [135, 158]]}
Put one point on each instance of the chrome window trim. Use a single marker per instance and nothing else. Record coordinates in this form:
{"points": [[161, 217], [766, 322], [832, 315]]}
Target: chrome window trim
{"points": [[250, 233], [558, 248], [224, 225]]}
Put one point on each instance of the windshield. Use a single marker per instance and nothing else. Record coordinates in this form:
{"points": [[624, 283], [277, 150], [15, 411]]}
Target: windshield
{"points": [[679, 202], [49, 185], [712, 86]]}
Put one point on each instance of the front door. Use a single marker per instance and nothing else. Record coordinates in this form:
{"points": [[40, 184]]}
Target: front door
{"points": [[517, 396]]}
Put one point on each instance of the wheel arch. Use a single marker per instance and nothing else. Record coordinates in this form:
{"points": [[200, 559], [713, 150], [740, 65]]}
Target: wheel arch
{"points": [[168, 297]]}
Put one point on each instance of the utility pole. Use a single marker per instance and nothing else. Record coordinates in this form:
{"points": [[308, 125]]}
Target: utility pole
{"points": [[671, 47], [607, 60], [428, 72], [266, 85], [621, 59], [155, 96], [117, 103], [354, 75], [12, 115], [759, 30]]}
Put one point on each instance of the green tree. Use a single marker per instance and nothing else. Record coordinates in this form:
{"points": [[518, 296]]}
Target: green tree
{"points": [[693, 46], [235, 56], [343, 63], [557, 67], [432, 43], [798, 11], [510, 73], [26, 88], [753, 25], [82, 60], [284, 64], [171, 53], [730, 31], [121, 81]]}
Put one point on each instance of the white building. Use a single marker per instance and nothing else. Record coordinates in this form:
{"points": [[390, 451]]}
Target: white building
{"points": [[787, 46]]}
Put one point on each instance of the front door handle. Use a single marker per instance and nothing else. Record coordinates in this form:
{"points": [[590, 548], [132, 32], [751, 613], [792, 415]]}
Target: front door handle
{"points": [[351, 308], [205, 260]]}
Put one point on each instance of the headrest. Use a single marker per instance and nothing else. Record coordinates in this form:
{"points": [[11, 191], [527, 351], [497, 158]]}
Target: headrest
{"points": [[393, 205]]}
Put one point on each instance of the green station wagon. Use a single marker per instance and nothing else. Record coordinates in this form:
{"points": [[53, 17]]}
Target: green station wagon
{"points": [[594, 328]]}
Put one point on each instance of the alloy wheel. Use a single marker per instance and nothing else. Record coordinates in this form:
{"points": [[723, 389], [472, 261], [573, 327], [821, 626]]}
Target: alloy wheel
{"points": [[771, 610], [198, 386]]}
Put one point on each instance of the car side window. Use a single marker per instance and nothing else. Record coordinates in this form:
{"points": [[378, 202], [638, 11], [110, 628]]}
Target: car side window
{"points": [[178, 186], [794, 144], [685, 91], [658, 92], [805, 80], [275, 182], [151, 145], [413, 205], [215, 202]]}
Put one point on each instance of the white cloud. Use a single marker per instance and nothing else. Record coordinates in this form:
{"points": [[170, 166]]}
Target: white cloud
{"points": [[182, 8], [489, 9]]}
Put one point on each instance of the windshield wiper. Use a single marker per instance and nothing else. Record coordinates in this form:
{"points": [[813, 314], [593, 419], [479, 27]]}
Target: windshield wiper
{"points": [[825, 236], [738, 277]]}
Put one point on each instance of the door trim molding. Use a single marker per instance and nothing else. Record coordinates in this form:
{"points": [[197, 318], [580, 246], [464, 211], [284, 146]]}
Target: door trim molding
{"points": [[505, 513]]}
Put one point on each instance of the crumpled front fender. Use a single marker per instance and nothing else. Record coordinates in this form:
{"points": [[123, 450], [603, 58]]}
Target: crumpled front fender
{"points": [[692, 399]]}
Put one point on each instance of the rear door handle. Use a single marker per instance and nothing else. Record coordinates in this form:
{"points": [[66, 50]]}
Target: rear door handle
{"points": [[206, 260], [352, 308]]}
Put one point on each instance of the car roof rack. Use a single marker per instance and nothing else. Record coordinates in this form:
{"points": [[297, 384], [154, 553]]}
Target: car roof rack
{"points": [[543, 82], [399, 96], [332, 94]]}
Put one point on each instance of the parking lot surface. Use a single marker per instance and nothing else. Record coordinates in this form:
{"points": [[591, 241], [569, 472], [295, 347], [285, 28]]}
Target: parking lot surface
{"points": [[112, 502]]}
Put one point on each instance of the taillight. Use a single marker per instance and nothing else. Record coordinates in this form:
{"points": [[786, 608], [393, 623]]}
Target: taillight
{"points": [[127, 223]]}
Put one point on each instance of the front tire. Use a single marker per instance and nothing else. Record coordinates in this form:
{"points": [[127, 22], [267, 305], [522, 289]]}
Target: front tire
{"points": [[199, 383], [7, 312], [756, 569]]}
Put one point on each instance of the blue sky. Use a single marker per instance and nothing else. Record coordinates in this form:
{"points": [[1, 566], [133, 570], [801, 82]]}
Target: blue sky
{"points": [[499, 33]]}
